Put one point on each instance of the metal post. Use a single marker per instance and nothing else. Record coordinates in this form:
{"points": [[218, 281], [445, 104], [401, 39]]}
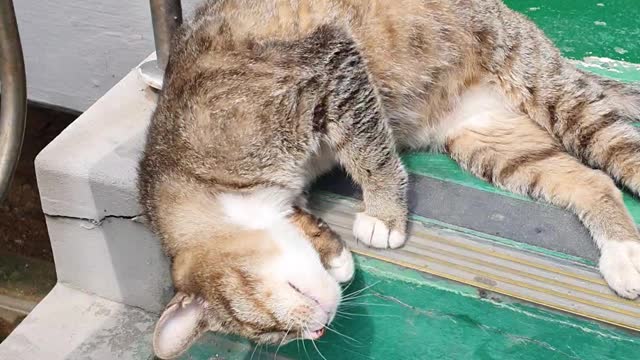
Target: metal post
{"points": [[13, 110], [166, 16]]}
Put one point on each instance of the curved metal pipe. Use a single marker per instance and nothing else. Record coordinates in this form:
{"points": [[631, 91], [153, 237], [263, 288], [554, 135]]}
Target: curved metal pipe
{"points": [[13, 109]]}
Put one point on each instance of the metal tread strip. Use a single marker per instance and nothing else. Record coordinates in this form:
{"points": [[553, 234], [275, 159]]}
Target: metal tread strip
{"points": [[480, 261], [554, 283], [587, 276]]}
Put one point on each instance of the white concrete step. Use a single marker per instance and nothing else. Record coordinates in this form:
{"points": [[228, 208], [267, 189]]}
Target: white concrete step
{"points": [[71, 324]]}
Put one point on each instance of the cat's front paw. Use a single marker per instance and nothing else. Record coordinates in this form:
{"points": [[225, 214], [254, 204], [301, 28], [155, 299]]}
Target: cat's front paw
{"points": [[620, 267], [342, 267], [374, 232]]}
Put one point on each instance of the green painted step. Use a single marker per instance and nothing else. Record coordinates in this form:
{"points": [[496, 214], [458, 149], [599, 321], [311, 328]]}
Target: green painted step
{"points": [[588, 28], [442, 167], [406, 314], [455, 295], [544, 278]]}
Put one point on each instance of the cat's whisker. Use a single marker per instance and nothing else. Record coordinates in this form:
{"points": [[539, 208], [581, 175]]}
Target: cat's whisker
{"points": [[254, 351], [340, 315], [349, 284], [364, 288], [348, 313], [356, 298], [338, 333], [290, 326], [366, 315], [261, 347], [351, 298], [354, 294], [318, 350], [306, 329], [347, 304]]}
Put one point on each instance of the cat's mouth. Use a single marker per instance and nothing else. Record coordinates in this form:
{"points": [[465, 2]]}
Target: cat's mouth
{"points": [[313, 335]]}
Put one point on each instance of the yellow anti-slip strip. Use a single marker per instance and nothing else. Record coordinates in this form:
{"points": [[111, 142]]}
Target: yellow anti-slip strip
{"points": [[539, 279], [552, 269]]}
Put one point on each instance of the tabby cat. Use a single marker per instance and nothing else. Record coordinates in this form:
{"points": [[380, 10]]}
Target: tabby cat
{"points": [[260, 97]]}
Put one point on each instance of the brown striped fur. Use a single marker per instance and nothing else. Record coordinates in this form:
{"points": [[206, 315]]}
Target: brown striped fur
{"points": [[263, 96]]}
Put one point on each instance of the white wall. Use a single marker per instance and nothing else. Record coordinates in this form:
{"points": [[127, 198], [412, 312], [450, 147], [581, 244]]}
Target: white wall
{"points": [[76, 50]]}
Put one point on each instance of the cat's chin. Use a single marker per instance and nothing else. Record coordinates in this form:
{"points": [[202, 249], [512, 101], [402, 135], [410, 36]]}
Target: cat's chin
{"points": [[289, 337]]}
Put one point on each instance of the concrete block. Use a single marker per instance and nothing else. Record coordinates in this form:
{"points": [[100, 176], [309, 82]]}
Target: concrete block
{"points": [[87, 182]]}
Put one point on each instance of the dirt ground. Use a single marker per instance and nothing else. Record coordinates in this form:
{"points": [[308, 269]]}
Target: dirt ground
{"points": [[22, 227], [23, 233], [5, 329]]}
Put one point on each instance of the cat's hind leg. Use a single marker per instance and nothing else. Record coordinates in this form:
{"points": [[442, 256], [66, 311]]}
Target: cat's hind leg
{"points": [[595, 122], [516, 154], [591, 117]]}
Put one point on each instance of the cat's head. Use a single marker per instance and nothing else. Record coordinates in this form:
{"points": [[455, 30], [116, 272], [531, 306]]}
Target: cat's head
{"points": [[272, 278]]}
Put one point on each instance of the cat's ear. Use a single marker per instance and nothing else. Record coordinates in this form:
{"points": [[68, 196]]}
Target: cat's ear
{"points": [[182, 322]]}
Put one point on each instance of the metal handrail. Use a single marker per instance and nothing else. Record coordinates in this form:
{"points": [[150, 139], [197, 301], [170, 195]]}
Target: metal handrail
{"points": [[13, 109], [166, 16]]}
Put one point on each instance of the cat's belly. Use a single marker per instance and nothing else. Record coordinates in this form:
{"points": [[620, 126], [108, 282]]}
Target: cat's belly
{"points": [[478, 105], [416, 129]]}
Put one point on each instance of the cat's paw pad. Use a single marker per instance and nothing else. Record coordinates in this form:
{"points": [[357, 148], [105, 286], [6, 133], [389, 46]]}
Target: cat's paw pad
{"points": [[342, 267], [375, 233], [620, 267]]}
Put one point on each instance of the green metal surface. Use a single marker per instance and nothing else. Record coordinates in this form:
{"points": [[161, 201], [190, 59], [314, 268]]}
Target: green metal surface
{"points": [[582, 28], [405, 314]]}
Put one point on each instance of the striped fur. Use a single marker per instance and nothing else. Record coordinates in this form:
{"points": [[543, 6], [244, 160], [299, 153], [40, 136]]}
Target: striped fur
{"points": [[261, 97]]}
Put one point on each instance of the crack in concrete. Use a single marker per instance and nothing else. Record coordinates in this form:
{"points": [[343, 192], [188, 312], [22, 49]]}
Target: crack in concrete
{"points": [[141, 218]]}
